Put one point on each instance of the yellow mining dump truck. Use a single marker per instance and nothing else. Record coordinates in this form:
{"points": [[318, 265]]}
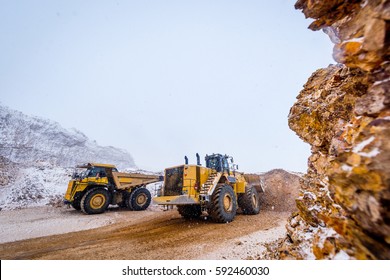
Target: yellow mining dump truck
{"points": [[217, 189], [94, 186]]}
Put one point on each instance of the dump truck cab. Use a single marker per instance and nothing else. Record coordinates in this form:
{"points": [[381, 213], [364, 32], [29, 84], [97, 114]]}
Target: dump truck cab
{"points": [[87, 176], [94, 186], [94, 173], [216, 189]]}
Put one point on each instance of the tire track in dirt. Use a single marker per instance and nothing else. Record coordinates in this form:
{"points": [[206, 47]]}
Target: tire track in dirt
{"points": [[164, 235]]}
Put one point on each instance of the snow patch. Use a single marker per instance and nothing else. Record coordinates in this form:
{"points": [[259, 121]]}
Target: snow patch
{"points": [[299, 174], [324, 233], [363, 3], [370, 154], [342, 255], [346, 168], [359, 147], [315, 207], [358, 40], [381, 82], [310, 195]]}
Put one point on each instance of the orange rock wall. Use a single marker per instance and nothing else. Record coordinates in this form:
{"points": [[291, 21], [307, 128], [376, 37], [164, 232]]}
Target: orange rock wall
{"points": [[343, 112]]}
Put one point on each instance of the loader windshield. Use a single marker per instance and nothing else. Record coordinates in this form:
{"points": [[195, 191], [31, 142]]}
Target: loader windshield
{"points": [[218, 162], [215, 162]]}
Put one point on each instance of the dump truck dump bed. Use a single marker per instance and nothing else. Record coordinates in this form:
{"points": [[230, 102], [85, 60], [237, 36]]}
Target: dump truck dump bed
{"points": [[129, 180]]}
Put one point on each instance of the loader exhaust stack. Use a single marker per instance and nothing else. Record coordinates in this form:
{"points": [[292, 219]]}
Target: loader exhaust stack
{"points": [[197, 159]]}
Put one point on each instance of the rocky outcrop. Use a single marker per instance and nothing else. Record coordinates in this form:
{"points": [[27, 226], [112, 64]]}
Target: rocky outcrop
{"points": [[343, 112]]}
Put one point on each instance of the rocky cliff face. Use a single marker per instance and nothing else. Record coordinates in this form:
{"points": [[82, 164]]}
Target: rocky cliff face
{"points": [[27, 140], [343, 112]]}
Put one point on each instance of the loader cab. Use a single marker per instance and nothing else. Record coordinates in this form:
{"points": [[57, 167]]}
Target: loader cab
{"points": [[218, 162]]}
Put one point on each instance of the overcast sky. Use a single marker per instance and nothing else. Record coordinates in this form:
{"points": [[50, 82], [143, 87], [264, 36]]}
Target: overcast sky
{"points": [[164, 79]]}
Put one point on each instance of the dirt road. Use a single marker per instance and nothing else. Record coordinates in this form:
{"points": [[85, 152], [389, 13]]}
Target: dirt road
{"points": [[153, 234]]}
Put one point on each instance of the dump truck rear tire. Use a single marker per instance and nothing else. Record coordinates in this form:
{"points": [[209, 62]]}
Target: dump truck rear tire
{"points": [[122, 204], [127, 201], [139, 199], [189, 211], [249, 201], [95, 201], [224, 204]]}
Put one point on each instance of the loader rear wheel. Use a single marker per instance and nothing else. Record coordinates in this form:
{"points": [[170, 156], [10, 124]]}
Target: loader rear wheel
{"points": [[189, 211], [95, 201], [249, 201], [139, 199], [224, 204]]}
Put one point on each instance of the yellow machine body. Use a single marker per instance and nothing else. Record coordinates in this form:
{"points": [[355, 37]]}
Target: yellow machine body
{"points": [[217, 189], [194, 177], [101, 184]]}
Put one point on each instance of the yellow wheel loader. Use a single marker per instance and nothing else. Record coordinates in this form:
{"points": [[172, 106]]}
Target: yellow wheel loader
{"points": [[95, 186], [217, 190]]}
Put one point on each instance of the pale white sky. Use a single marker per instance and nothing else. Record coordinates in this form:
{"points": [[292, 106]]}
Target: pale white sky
{"points": [[164, 79]]}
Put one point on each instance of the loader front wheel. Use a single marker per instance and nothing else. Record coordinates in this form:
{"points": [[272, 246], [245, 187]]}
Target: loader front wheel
{"points": [[139, 199], [224, 204], [189, 211], [95, 201], [249, 201]]}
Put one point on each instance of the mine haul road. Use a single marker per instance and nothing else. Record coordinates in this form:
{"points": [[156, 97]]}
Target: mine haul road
{"points": [[153, 234]]}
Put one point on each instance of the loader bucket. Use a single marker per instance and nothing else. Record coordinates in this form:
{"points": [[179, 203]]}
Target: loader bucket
{"points": [[255, 180]]}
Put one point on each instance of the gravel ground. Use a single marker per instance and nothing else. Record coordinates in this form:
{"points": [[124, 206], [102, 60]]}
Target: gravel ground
{"points": [[249, 246], [42, 221], [48, 232], [61, 233]]}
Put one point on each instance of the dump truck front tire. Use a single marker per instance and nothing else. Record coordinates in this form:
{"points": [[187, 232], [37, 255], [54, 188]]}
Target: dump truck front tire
{"points": [[139, 199], [95, 201], [189, 211], [224, 204], [76, 204], [249, 201]]}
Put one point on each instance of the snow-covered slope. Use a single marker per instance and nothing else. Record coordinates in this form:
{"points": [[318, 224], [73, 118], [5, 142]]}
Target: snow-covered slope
{"points": [[37, 157], [26, 139], [38, 185], [41, 184]]}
